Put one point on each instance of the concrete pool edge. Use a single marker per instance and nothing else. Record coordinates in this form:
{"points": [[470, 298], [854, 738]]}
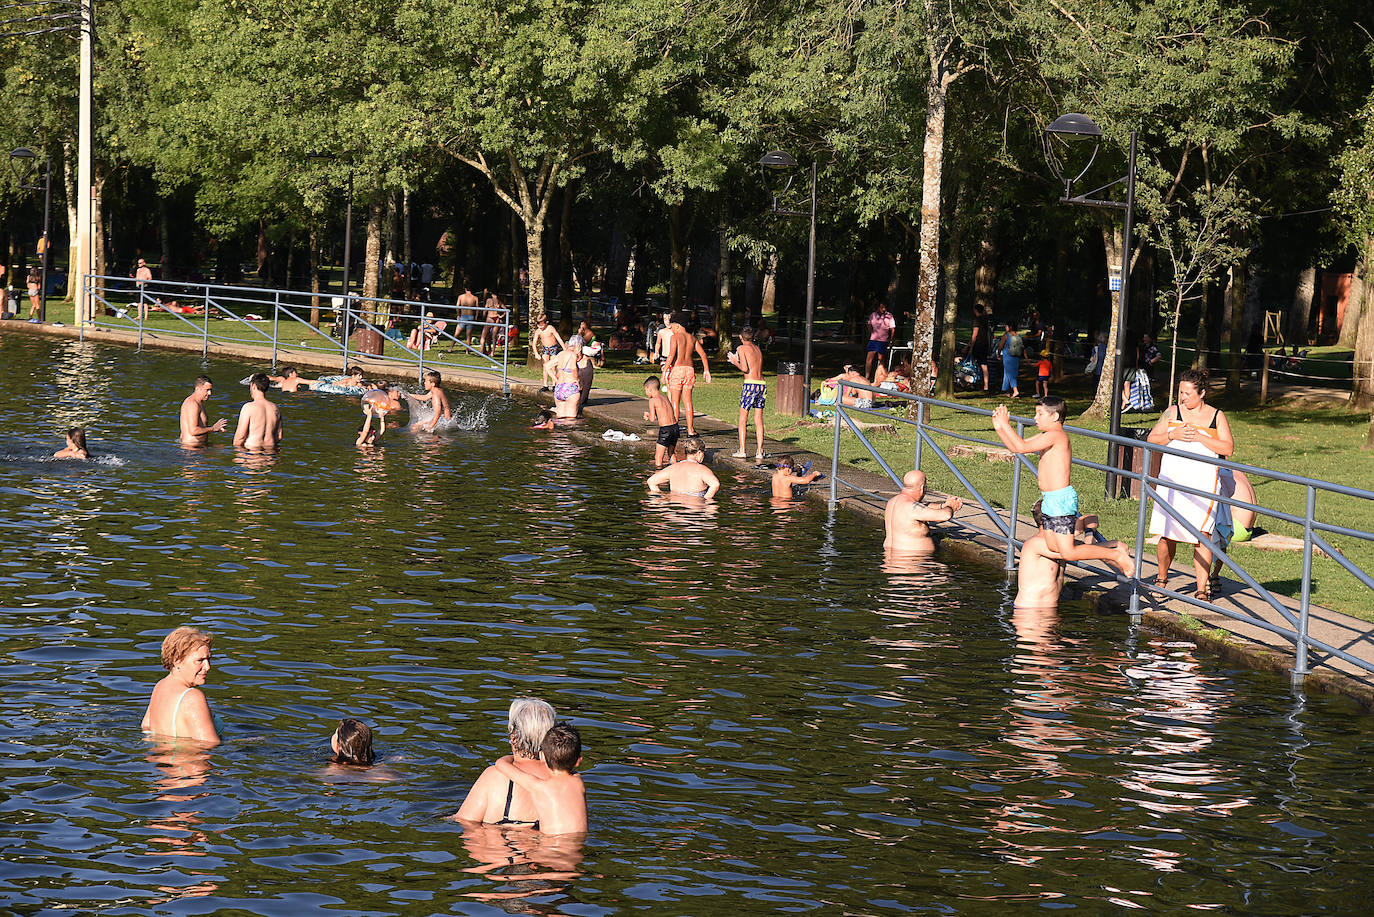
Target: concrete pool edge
{"points": [[1217, 634]]}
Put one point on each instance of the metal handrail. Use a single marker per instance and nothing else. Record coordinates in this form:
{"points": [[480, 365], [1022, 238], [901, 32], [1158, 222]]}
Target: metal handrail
{"points": [[236, 303], [1298, 631]]}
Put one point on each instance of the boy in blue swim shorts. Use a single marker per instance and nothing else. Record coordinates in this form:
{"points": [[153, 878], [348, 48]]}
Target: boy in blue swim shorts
{"points": [[1059, 501]]}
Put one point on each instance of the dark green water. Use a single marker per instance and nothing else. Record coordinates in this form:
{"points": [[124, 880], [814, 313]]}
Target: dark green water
{"points": [[772, 723]]}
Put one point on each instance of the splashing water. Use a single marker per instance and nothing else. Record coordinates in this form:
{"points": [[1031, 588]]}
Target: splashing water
{"points": [[465, 416]]}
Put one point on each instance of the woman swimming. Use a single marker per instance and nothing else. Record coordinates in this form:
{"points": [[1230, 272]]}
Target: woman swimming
{"points": [[76, 445]]}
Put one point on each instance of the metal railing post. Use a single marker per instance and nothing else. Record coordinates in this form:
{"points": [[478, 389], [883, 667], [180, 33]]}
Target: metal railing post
{"points": [[139, 307], [421, 348], [1014, 517], [205, 335], [276, 314], [348, 314], [1141, 473], [505, 355], [85, 296], [920, 425], [835, 450], [1300, 662]]}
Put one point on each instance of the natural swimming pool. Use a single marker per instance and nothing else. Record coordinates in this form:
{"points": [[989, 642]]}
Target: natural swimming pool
{"points": [[771, 721]]}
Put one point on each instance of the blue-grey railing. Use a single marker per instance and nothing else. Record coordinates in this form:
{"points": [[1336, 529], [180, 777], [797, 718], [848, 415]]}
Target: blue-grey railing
{"points": [[222, 314], [1004, 530]]}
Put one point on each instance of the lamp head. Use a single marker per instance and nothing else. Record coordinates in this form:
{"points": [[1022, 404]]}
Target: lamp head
{"points": [[1069, 129], [778, 161], [22, 161]]}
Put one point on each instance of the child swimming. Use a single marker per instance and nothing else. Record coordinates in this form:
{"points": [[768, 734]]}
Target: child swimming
{"points": [[76, 445], [352, 743]]}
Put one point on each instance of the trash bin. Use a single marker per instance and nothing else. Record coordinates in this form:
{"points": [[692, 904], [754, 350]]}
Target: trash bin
{"points": [[791, 390], [1128, 458], [368, 340]]}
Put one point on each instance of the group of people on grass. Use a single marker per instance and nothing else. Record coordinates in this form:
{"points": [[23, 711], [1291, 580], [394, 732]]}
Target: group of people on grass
{"points": [[536, 786]]}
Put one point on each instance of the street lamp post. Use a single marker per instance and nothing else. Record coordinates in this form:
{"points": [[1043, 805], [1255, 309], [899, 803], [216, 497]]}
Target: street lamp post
{"points": [[1075, 126], [784, 161], [22, 162]]}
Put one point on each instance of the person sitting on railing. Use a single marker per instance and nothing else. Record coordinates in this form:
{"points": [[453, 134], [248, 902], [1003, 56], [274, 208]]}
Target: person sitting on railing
{"points": [[906, 518], [1040, 570]]}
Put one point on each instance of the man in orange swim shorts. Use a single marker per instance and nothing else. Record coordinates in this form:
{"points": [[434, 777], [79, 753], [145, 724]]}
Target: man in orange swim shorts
{"points": [[679, 375]]}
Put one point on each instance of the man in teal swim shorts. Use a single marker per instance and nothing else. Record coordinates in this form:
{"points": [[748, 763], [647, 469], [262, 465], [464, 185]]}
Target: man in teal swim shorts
{"points": [[1059, 501]]}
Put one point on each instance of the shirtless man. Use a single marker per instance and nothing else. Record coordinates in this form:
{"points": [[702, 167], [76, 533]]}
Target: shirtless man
{"points": [[688, 478], [678, 372], [1040, 570], [260, 420], [906, 518], [467, 313], [749, 360], [195, 426], [290, 380], [547, 345]]}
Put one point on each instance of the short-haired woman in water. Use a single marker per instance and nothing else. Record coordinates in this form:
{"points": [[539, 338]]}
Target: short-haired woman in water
{"points": [[178, 708]]}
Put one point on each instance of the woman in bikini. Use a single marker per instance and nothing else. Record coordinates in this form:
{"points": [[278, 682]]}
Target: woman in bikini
{"points": [[178, 708], [566, 389], [1191, 425]]}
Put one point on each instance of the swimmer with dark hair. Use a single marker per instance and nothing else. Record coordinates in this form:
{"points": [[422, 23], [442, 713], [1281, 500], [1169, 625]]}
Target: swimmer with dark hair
{"points": [[290, 380], [543, 420], [352, 743], [76, 445]]}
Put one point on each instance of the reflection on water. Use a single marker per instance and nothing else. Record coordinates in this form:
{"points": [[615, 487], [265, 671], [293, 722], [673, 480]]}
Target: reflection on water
{"points": [[776, 715]]}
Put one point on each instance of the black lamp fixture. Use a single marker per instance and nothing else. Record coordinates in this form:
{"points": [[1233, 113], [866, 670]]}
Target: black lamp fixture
{"points": [[1076, 131], [780, 161], [23, 161]]}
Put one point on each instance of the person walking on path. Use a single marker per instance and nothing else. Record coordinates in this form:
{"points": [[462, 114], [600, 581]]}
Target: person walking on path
{"points": [[749, 360], [1012, 348], [979, 346], [1191, 425], [881, 324]]}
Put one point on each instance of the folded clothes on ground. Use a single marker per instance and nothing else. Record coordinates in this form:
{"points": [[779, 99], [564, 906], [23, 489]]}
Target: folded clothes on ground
{"points": [[617, 436]]}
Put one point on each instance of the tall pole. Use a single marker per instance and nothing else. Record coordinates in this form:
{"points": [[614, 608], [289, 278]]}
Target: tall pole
{"points": [[348, 233], [83, 257], [43, 264], [1114, 424], [810, 293]]}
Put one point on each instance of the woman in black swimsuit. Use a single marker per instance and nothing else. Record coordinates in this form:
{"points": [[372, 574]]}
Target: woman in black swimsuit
{"points": [[494, 799]]}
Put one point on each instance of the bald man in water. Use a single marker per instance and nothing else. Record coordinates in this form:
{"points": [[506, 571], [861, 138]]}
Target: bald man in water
{"points": [[906, 518]]}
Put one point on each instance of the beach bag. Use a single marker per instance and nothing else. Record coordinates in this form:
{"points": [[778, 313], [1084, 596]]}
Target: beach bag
{"points": [[1015, 346], [1140, 398]]}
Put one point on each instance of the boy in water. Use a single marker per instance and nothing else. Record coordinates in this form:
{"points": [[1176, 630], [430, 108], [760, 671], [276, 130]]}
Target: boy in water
{"points": [[786, 477], [688, 478], [1059, 501], [661, 413], [290, 380], [1040, 571], [543, 420], [437, 397], [368, 435], [560, 799]]}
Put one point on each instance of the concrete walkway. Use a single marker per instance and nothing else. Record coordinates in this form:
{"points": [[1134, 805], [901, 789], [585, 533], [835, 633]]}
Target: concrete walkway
{"points": [[1242, 641]]}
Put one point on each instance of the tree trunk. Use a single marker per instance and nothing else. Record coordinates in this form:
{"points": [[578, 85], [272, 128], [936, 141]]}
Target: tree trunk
{"points": [[98, 217], [69, 183], [770, 285], [724, 305], [1235, 305], [534, 247], [985, 274], [315, 273], [1106, 384], [933, 157], [1301, 311], [165, 234], [677, 274], [1362, 387], [405, 241], [944, 386], [376, 216]]}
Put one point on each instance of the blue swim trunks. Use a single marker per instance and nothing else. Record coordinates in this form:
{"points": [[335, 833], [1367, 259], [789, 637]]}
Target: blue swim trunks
{"points": [[753, 395], [879, 347], [1060, 510]]}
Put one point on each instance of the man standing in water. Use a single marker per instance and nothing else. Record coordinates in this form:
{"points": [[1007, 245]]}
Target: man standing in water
{"points": [[260, 420], [749, 360], [678, 372], [689, 478], [906, 518], [195, 426]]}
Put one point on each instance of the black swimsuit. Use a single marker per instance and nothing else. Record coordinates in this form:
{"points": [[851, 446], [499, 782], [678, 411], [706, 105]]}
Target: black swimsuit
{"points": [[505, 816]]}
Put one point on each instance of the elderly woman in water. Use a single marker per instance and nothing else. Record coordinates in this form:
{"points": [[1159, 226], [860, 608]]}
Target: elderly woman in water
{"points": [[178, 708], [496, 800]]}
